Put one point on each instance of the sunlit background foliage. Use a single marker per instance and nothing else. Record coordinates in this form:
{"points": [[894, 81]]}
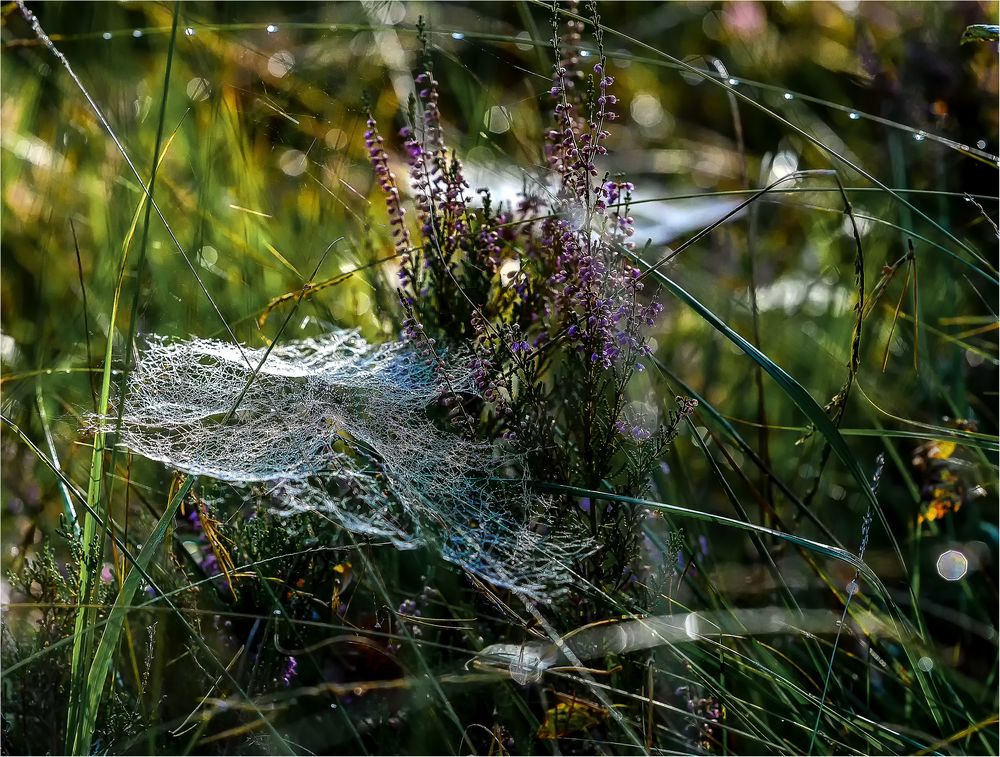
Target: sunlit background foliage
{"points": [[260, 109]]}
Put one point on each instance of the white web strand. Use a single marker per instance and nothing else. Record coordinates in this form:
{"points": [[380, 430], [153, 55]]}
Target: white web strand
{"points": [[340, 426]]}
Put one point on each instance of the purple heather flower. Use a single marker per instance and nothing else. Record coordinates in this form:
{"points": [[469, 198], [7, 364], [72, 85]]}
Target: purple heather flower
{"points": [[387, 182], [703, 545], [210, 564], [640, 434], [290, 671]]}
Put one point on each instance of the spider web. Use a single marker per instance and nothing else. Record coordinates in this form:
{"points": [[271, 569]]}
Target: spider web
{"points": [[343, 427]]}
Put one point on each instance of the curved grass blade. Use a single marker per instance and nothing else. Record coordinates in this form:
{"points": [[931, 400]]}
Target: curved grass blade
{"points": [[795, 391], [835, 553]]}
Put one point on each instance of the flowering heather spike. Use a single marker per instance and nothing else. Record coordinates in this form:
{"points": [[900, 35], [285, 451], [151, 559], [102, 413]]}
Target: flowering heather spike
{"points": [[441, 185], [393, 205]]}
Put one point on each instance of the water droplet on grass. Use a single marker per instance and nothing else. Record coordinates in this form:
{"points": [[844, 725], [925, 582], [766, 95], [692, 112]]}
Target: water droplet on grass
{"points": [[789, 96], [926, 664], [106, 35], [585, 53], [137, 33], [981, 144], [919, 136], [734, 82], [854, 116], [271, 28], [457, 35], [189, 32]]}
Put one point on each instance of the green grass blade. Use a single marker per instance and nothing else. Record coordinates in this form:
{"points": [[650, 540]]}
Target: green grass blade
{"points": [[93, 546], [101, 666]]}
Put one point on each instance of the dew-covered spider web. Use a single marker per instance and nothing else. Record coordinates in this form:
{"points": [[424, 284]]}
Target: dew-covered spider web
{"points": [[346, 428]]}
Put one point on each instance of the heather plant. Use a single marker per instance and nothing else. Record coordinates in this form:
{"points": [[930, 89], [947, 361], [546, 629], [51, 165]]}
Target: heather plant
{"points": [[553, 309], [499, 378]]}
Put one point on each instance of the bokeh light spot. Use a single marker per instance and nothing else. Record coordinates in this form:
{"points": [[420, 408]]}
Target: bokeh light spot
{"points": [[646, 110], [293, 162], [198, 89], [952, 565], [208, 256], [335, 138], [280, 63], [785, 163], [497, 119]]}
